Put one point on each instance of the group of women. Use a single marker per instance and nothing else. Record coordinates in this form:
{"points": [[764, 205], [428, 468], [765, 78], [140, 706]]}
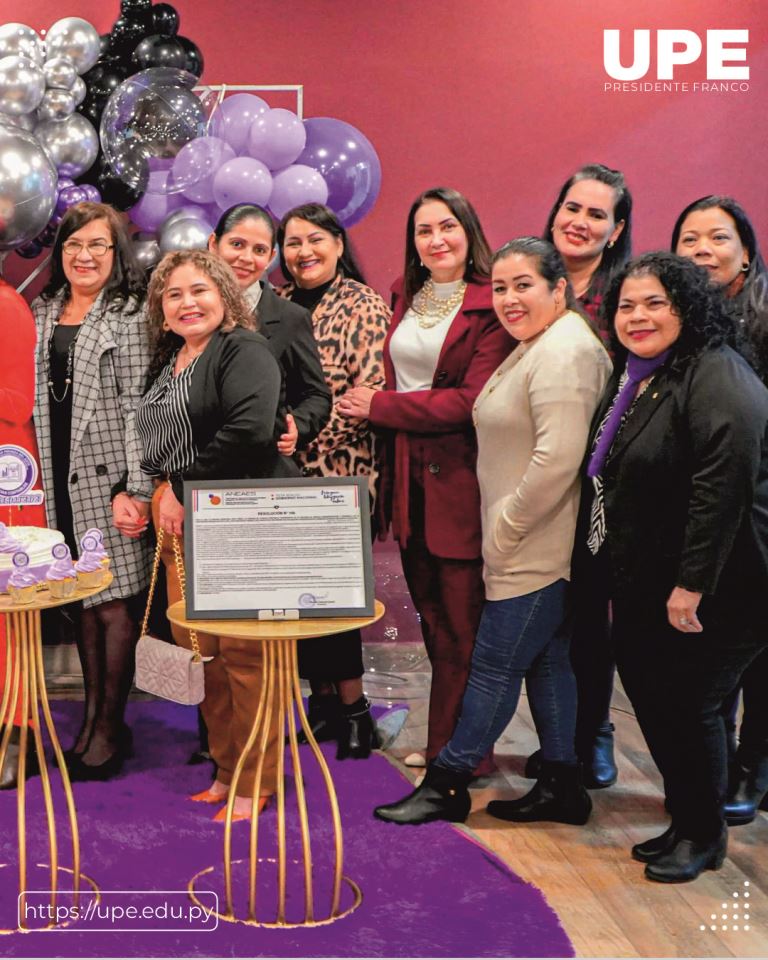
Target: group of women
{"points": [[567, 444]]}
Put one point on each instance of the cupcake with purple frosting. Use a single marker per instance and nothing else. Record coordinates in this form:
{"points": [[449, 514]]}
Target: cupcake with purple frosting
{"points": [[99, 549], [22, 583], [90, 569], [61, 575]]}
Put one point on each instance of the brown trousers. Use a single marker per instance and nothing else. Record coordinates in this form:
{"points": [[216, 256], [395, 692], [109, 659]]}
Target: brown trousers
{"points": [[233, 681]]}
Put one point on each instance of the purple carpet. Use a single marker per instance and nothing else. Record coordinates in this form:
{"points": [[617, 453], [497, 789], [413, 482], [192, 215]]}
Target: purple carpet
{"points": [[427, 891]]}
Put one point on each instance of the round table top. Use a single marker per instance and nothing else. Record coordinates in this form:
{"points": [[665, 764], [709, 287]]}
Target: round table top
{"points": [[44, 601], [273, 629]]}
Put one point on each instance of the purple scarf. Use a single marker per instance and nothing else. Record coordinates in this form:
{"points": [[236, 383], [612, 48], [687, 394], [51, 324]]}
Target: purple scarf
{"points": [[638, 368]]}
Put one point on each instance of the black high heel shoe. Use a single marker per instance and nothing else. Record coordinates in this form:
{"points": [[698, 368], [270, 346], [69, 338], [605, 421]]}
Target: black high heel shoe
{"points": [[80, 771]]}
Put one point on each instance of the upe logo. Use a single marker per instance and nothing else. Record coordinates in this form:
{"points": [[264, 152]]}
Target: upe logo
{"points": [[721, 49]]}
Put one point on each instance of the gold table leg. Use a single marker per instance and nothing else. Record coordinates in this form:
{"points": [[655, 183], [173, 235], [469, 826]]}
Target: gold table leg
{"points": [[24, 646], [280, 692]]}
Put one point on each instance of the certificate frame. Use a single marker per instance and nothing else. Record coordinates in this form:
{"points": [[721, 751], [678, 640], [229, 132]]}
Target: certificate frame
{"points": [[199, 494]]}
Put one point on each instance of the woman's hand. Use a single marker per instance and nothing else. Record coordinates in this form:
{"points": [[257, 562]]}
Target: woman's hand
{"points": [[286, 445], [129, 515], [171, 517], [356, 402], [681, 610]]}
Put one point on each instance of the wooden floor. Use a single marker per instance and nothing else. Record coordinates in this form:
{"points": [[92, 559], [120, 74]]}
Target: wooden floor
{"points": [[604, 903]]}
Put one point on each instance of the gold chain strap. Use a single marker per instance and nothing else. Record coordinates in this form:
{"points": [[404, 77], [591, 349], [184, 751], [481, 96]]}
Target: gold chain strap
{"points": [[182, 584]]}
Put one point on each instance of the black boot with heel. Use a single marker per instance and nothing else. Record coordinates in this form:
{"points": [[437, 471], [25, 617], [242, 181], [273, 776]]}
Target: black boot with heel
{"points": [[558, 796], [323, 716], [748, 791], [357, 732], [687, 859], [442, 795]]}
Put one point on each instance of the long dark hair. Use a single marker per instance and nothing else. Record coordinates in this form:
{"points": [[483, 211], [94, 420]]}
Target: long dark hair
{"points": [[614, 257], [243, 211], [126, 281], [323, 217], [751, 304], [478, 251], [704, 319]]}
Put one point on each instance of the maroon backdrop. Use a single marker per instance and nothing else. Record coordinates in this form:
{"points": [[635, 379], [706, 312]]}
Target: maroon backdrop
{"points": [[499, 98]]}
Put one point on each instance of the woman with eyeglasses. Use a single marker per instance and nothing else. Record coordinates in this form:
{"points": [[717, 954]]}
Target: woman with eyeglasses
{"points": [[92, 359]]}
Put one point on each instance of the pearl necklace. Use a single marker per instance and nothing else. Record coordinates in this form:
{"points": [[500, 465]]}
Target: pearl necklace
{"points": [[436, 308]]}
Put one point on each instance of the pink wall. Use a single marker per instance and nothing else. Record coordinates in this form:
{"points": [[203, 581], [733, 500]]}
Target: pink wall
{"points": [[499, 98]]}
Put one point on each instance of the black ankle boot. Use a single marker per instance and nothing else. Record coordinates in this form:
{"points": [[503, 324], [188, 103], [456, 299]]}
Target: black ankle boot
{"points": [[443, 795], [323, 716], [687, 859], [533, 766], [748, 792], [9, 776], [558, 796], [651, 849], [600, 769], [357, 734]]}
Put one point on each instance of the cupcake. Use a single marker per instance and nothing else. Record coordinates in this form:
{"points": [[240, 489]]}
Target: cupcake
{"points": [[90, 570], [22, 583], [99, 548], [61, 575]]}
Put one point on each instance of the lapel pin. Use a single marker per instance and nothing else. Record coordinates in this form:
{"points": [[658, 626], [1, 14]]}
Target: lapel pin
{"points": [[653, 397]]}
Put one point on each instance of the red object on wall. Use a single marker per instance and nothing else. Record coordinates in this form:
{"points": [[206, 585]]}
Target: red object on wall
{"points": [[502, 100]]}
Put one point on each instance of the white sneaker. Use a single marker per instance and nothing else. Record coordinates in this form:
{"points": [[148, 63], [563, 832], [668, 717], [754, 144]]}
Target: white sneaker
{"points": [[415, 760]]}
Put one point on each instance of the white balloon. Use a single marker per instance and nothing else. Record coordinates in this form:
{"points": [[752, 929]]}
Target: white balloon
{"points": [[56, 104], [17, 39], [76, 39], [60, 73], [22, 85], [72, 143]]}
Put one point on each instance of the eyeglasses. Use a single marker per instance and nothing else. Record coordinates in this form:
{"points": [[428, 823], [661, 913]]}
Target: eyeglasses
{"points": [[96, 248]]}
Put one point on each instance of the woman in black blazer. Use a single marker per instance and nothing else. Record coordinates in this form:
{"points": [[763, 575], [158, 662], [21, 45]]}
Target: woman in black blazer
{"points": [[244, 238], [678, 505], [211, 412]]}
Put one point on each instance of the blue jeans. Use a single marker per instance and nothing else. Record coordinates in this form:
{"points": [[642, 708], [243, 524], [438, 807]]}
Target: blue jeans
{"points": [[523, 637]]}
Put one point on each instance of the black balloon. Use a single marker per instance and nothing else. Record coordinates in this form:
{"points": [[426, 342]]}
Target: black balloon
{"points": [[165, 19], [194, 62], [126, 33], [116, 192], [92, 109], [103, 79], [129, 8], [157, 51], [131, 164], [105, 41]]}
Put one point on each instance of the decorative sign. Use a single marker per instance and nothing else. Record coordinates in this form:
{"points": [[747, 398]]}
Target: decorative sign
{"points": [[18, 474]]}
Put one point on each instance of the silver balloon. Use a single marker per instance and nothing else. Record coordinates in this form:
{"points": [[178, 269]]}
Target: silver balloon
{"points": [[22, 85], [188, 212], [184, 235], [79, 90], [56, 104], [76, 39], [60, 73], [72, 143], [17, 39], [146, 250], [27, 121], [27, 187]]}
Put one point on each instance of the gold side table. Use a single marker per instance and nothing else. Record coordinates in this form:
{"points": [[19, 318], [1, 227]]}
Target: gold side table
{"points": [[24, 650], [280, 686]]}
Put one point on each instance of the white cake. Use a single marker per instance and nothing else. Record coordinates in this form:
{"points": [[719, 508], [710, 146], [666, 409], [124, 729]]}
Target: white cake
{"points": [[36, 542]]}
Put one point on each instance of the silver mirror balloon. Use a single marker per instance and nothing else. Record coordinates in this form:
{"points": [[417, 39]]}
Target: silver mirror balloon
{"points": [[190, 234], [72, 143], [27, 121], [17, 39], [76, 40], [146, 250], [79, 90], [56, 104], [60, 73], [22, 85], [27, 187]]}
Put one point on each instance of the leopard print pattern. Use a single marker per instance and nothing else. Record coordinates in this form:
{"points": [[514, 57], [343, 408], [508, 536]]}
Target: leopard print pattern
{"points": [[350, 325]]}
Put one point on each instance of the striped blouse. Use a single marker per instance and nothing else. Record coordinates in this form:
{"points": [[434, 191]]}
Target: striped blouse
{"points": [[162, 420]]}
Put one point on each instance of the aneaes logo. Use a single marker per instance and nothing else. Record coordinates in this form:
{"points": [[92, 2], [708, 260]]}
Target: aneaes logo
{"points": [[675, 48]]}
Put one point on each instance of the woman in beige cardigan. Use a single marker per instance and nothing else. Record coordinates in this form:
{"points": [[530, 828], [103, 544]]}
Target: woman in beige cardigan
{"points": [[532, 420]]}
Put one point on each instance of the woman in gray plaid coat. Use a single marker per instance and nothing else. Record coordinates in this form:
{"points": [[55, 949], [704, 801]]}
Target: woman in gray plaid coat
{"points": [[92, 357]]}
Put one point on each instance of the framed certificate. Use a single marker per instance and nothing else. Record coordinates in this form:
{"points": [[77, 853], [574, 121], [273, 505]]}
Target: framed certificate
{"points": [[278, 549]]}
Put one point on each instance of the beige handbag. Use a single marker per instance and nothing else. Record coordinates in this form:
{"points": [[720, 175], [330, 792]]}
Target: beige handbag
{"points": [[164, 669]]}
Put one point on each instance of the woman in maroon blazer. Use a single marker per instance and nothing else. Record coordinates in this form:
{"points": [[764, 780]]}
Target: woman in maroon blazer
{"points": [[443, 344]]}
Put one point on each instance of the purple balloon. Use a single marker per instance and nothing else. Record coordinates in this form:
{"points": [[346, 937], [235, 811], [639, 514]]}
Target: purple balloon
{"points": [[232, 119], [277, 137], [349, 165], [242, 180], [197, 163], [295, 185], [156, 204], [30, 250], [94, 195], [69, 196], [65, 182]]}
